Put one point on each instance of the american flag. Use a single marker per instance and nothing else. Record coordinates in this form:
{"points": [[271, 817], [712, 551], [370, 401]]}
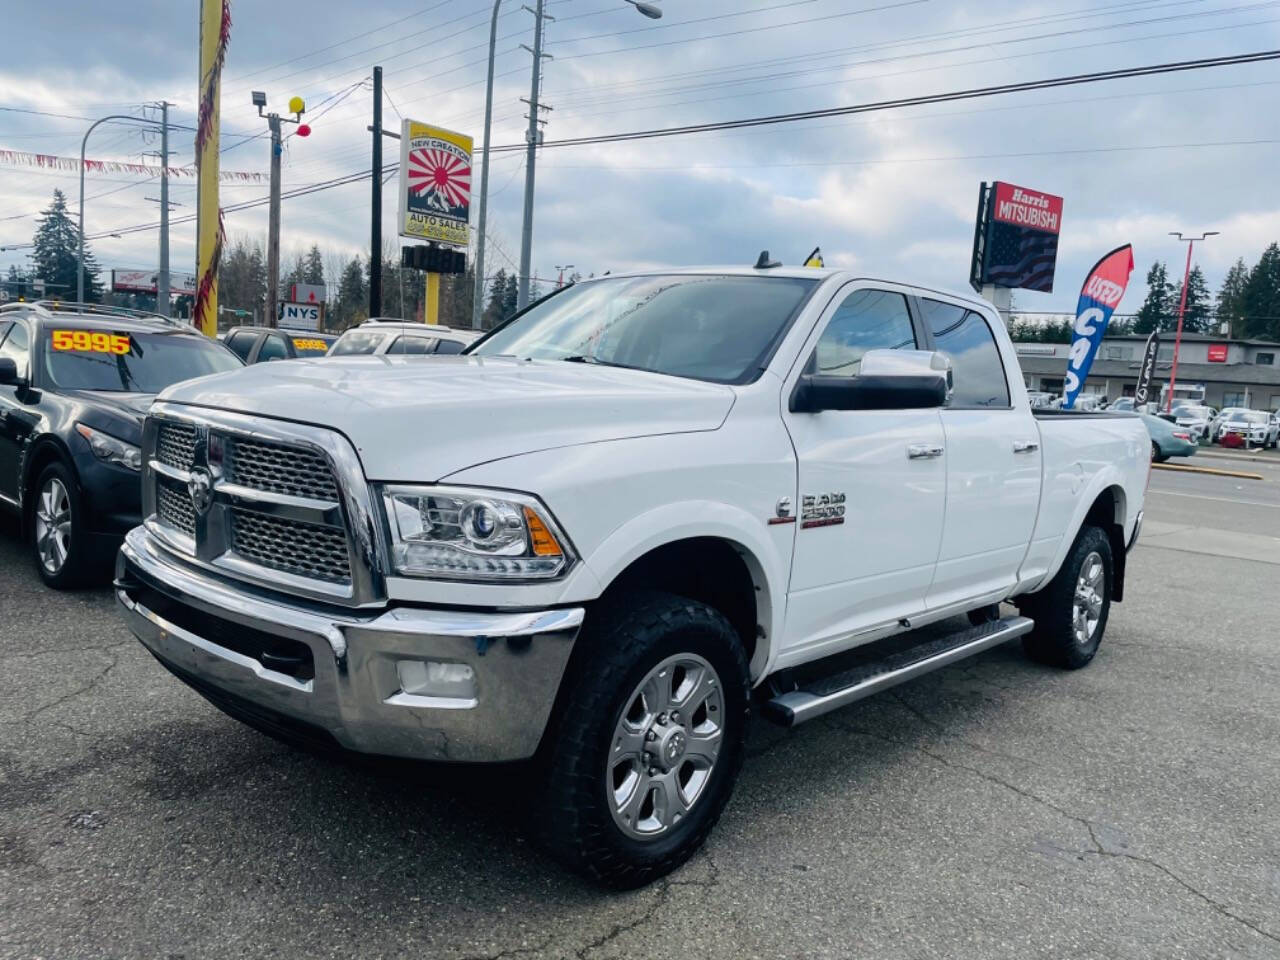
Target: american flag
{"points": [[1021, 257]]}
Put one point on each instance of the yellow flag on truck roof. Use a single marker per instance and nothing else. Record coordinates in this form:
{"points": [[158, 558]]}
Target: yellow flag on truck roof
{"points": [[815, 259]]}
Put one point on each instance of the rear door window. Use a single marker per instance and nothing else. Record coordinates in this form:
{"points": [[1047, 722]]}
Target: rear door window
{"points": [[16, 347], [449, 346], [273, 348], [964, 336], [417, 345], [241, 342]]}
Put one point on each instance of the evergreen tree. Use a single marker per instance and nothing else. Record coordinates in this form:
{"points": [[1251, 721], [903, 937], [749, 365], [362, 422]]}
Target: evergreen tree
{"points": [[313, 268], [1231, 296], [1262, 298], [535, 292], [1156, 311], [497, 292], [1196, 316], [242, 280], [510, 296], [353, 295], [54, 258]]}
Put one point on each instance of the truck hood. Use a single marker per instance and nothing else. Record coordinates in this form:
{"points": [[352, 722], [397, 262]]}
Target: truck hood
{"points": [[418, 419]]}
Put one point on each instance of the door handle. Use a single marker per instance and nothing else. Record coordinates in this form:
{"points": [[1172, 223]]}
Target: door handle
{"points": [[923, 451], [1026, 446]]}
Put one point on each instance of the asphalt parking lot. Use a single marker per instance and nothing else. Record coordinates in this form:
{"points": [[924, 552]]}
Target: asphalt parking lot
{"points": [[993, 809]]}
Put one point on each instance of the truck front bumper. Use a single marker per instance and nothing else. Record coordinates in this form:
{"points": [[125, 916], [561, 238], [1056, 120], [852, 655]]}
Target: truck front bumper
{"points": [[357, 679]]}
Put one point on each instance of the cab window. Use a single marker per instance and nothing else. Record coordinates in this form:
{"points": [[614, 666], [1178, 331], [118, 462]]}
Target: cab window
{"points": [[449, 346], [964, 336], [866, 320], [273, 348], [241, 342], [16, 346], [416, 345]]}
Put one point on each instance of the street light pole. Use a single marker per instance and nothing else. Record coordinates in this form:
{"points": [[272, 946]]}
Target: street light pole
{"points": [[1182, 309], [83, 143], [530, 162], [477, 302], [650, 10], [162, 278]]}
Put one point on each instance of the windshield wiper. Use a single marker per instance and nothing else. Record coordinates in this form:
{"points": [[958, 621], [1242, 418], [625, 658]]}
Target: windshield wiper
{"points": [[596, 361]]}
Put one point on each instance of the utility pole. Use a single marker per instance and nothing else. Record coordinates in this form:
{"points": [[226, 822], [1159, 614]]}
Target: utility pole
{"points": [[297, 107], [162, 279], [1182, 309], [375, 236], [532, 136]]}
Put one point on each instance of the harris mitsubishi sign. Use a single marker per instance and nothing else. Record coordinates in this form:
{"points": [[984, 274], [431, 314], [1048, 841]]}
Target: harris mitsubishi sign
{"points": [[1015, 241], [144, 281]]}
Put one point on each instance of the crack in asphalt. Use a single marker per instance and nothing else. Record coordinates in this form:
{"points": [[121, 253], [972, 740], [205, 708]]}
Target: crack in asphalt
{"points": [[93, 682], [950, 734], [1099, 849]]}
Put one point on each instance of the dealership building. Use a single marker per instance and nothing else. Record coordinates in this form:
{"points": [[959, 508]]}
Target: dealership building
{"points": [[1234, 373]]}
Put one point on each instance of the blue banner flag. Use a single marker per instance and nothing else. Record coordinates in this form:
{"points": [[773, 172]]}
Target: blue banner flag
{"points": [[1103, 289]]}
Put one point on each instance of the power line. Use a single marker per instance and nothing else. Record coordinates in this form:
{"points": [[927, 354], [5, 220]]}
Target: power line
{"points": [[945, 97]]}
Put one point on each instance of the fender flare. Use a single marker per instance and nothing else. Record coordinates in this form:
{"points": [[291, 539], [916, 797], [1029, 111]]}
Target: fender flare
{"points": [[1106, 478], [690, 519]]}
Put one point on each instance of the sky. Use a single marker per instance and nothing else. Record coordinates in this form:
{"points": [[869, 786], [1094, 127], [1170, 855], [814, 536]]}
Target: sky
{"points": [[890, 194]]}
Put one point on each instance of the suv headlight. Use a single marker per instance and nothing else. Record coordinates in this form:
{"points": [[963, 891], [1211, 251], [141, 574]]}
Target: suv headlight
{"points": [[452, 533], [111, 449]]}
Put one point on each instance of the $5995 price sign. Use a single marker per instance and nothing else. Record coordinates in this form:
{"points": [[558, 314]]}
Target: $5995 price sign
{"points": [[89, 341]]}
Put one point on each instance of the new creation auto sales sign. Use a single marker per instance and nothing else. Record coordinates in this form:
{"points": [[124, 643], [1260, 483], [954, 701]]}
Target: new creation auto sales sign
{"points": [[435, 184]]}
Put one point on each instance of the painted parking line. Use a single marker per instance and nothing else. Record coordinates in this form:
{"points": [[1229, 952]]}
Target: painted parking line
{"points": [[1198, 496]]}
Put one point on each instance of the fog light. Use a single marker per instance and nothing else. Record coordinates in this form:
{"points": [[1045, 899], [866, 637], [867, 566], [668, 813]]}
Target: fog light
{"points": [[431, 678]]}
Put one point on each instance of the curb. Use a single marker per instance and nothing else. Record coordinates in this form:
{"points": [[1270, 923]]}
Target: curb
{"points": [[1210, 470], [1248, 458]]}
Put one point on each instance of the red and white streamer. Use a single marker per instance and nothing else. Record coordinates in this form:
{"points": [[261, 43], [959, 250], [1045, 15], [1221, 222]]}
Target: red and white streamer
{"points": [[45, 161]]}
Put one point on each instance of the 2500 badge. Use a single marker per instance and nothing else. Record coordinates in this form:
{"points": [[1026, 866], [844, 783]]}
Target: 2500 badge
{"points": [[821, 510]]}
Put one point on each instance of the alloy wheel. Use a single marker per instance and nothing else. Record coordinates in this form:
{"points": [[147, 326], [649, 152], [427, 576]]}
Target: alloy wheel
{"points": [[1087, 607], [53, 525]]}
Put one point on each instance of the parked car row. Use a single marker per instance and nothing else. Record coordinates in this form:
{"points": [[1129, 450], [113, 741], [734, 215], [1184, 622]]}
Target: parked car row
{"points": [[77, 381]]}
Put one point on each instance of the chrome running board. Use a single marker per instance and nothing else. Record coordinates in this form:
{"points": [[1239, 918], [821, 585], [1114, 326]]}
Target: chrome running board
{"points": [[831, 692]]}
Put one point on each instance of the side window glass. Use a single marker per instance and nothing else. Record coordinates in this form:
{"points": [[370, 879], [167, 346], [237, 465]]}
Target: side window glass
{"points": [[975, 360], [273, 348], [866, 320], [418, 345], [396, 348], [15, 347], [449, 346], [240, 343]]}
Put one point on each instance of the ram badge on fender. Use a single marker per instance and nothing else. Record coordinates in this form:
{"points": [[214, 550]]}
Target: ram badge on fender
{"points": [[75, 384]]}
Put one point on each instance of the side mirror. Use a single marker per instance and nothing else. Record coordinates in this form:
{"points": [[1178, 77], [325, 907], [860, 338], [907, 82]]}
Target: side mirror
{"points": [[9, 371], [886, 380]]}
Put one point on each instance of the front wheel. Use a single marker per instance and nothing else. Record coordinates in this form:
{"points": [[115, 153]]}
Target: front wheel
{"points": [[645, 748], [58, 541], [1071, 612]]}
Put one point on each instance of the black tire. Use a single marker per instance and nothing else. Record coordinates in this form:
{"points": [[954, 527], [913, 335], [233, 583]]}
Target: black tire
{"points": [[1054, 640], [622, 642], [73, 570]]}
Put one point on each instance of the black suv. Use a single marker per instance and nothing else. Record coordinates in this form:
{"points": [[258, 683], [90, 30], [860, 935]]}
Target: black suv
{"points": [[259, 344], [75, 384]]}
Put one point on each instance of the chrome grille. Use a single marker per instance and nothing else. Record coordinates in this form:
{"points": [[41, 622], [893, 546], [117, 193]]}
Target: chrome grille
{"points": [[173, 507], [279, 468], [176, 445], [302, 549]]}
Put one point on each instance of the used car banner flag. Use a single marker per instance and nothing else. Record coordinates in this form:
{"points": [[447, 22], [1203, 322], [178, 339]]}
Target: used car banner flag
{"points": [[1102, 292]]}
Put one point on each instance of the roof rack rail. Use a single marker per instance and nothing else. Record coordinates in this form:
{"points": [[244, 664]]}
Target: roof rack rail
{"points": [[23, 305], [103, 309]]}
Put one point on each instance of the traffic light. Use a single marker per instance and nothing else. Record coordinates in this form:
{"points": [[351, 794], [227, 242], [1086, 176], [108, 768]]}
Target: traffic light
{"points": [[433, 259]]}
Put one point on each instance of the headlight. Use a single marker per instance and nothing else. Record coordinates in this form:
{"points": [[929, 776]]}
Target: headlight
{"points": [[457, 534], [111, 449]]}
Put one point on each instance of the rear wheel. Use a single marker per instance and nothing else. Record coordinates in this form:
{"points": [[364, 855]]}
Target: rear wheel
{"points": [[1156, 455], [648, 741], [1071, 612], [58, 541]]}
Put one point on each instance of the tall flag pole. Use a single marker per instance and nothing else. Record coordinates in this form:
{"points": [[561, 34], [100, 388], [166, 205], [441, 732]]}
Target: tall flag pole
{"points": [[1103, 289], [215, 31]]}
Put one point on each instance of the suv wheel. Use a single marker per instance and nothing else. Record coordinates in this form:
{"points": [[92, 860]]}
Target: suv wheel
{"points": [[648, 739], [57, 542]]}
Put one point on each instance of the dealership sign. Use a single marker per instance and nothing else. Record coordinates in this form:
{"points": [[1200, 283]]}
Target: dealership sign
{"points": [[435, 184], [300, 316], [1015, 241], [145, 281], [1217, 353]]}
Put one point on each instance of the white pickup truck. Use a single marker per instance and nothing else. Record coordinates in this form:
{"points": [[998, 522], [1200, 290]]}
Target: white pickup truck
{"points": [[593, 541]]}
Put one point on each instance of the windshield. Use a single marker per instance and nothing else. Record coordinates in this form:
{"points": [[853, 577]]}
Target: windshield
{"points": [[718, 328], [136, 362], [355, 342], [310, 346], [1189, 411], [1249, 416]]}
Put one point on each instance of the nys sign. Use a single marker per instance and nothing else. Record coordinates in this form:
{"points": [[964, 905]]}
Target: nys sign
{"points": [[300, 316]]}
